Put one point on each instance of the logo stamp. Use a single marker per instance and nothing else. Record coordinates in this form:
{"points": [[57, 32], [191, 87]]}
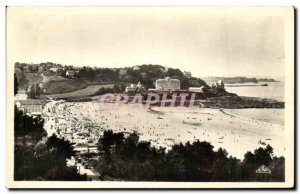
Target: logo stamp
{"points": [[263, 170]]}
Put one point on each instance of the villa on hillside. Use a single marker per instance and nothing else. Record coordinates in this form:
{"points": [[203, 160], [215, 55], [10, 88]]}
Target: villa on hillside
{"points": [[136, 67], [122, 73], [135, 88], [55, 69], [70, 73], [187, 74], [41, 68], [34, 68], [219, 85], [143, 75]]}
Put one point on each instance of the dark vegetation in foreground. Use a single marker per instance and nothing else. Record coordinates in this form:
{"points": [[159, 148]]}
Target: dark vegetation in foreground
{"points": [[127, 158], [35, 159]]}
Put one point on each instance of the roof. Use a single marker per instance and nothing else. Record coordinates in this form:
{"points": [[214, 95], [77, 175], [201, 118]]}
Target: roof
{"points": [[167, 79], [21, 91], [131, 86], [30, 102], [196, 87]]}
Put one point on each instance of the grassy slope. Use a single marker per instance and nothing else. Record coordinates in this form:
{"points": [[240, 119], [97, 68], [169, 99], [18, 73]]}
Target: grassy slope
{"points": [[53, 83], [63, 86], [88, 91]]}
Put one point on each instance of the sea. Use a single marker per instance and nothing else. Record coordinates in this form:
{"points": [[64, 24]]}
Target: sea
{"points": [[273, 90]]}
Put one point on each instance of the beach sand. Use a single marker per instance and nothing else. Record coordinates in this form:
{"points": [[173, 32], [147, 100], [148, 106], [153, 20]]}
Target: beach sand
{"points": [[166, 126]]}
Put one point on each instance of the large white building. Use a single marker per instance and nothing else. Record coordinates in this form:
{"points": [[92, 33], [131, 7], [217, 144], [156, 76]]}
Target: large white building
{"points": [[30, 106], [167, 84]]}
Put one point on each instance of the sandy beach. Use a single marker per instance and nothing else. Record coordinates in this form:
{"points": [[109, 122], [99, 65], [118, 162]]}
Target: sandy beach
{"points": [[166, 126]]}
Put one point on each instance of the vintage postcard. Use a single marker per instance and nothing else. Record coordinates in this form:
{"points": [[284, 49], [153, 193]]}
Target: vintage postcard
{"points": [[150, 97]]}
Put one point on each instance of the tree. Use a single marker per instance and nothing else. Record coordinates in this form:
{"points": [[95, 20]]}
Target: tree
{"points": [[60, 150], [16, 84], [51, 166], [27, 125], [109, 138], [34, 91], [31, 92], [175, 73], [64, 174], [252, 161]]}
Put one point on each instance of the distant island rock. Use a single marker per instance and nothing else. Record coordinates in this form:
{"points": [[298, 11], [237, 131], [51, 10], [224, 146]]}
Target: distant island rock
{"points": [[237, 80], [266, 80]]}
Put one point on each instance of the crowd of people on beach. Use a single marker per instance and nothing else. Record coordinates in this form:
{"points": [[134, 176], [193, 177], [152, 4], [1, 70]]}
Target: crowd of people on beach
{"points": [[84, 123]]}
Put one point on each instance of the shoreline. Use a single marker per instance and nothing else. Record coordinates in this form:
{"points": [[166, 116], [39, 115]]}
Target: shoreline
{"points": [[246, 118]]}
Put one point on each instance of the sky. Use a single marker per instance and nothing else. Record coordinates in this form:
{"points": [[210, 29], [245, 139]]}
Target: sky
{"points": [[205, 41]]}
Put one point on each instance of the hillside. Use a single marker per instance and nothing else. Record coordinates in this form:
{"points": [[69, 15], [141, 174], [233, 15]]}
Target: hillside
{"points": [[148, 74], [60, 82]]}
